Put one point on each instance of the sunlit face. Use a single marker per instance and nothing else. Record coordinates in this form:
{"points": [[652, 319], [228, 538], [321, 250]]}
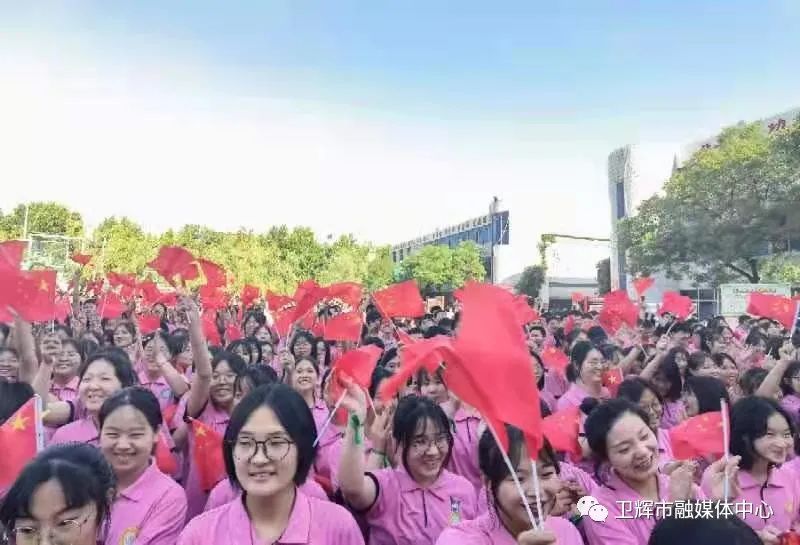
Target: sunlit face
{"points": [[650, 404], [632, 448], [98, 383], [122, 337], [508, 500], [222, 379], [593, 367], [433, 388], [50, 347], [264, 455], [427, 451], [305, 377], [535, 338], [68, 362], [9, 366], [302, 348], [54, 521], [776, 445], [127, 441]]}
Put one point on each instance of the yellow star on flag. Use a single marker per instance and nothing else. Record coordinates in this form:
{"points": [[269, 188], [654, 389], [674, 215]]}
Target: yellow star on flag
{"points": [[19, 423], [612, 379], [200, 432], [43, 285]]}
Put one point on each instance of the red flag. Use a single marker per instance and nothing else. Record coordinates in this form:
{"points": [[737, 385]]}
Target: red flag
{"points": [[774, 307], [233, 333], [493, 353], [358, 364], [215, 275], [318, 329], [212, 297], [283, 321], [111, 306], [121, 279], [525, 313], [555, 359], [174, 261], [149, 291], [400, 300], [207, 455], [63, 308], [81, 259], [677, 305], [612, 378], [249, 294], [347, 292], [569, 324], [415, 356], [344, 327], [311, 296], [32, 294], [210, 329], [11, 252], [165, 460], [562, 429], [278, 302], [303, 288], [168, 299], [620, 308], [577, 297], [457, 294], [19, 440], [698, 436], [641, 285], [149, 323]]}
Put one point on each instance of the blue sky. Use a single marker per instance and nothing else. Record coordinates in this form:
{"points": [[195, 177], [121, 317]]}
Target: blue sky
{"points": [[376, 118]]}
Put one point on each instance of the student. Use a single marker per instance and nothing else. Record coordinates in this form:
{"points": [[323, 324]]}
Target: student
{"points": [[620, 436], [432, 386], [643, 394], [104, 373], [585, 373], [415, 501], [268, 451], [250, 379], [150, 507], [63, 494], [65, 371], [507, 521], [702, 394], [541, 376], [762, 435], [157, 373], [305, 380]]}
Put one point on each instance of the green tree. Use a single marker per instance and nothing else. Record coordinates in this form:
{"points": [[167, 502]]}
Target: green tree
{"points": [[531, 280], [43, 217], [380, 269], [720, 211], [467, 264], [121, 245], [440, 268], [604, 276]]}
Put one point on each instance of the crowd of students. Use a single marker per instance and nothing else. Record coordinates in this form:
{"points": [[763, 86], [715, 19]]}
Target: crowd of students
{"points": [[420, 468]]}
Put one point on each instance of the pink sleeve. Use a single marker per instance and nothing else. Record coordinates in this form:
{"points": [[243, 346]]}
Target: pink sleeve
{"points": [[166, 522], [388, 494], [195, 533], [613, 530], [220, 495]]}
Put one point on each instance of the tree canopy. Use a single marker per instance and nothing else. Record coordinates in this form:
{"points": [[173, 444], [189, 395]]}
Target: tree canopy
{"points": [[277, 259], [722, 213], [604, 276], [531, 280]]}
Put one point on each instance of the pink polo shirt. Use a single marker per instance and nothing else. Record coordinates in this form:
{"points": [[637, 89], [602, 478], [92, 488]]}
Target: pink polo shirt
{"points": [[224, 493], [620, 500], [792, 405], [312, 522], [574, 473], [555, 384], [575, 396], [217, 420], [548, 399], [782, 494], [320, 413], [665, 455], [488, 530], [329, 452], [66, 392], [674, 414], [151, 511], [464, 459], [160, 388], [80, 431], [404, 512]]}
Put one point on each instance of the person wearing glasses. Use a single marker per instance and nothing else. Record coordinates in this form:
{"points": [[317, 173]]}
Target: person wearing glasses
{"points": [[417, 500], [62, 497], [268, 450], [585, 373], [150, 507]]}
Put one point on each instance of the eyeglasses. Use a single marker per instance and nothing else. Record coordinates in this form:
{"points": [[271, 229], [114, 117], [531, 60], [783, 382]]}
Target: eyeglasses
{"points": [[65, 532], [275, 449], [421, 445]]}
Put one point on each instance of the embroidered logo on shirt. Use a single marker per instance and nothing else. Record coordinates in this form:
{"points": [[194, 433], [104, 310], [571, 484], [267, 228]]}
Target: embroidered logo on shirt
{"points": [[129, 536], [455, 510]]}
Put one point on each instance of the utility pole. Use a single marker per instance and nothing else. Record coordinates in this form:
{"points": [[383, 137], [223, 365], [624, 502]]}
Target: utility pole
{"points": [[492, 240]]}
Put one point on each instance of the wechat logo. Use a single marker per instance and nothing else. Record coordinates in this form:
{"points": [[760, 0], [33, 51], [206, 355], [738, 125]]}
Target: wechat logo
{"points": [[588, 506]]}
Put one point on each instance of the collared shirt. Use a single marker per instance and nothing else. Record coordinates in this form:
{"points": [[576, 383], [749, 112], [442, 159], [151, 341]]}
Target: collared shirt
{"points": [[224, 493], [464, 459], [487, 530], [674, 413], [311, 522], [66, 392], [151, 511], [80, 431], [575, 396], [404, 512], [160, 388]]}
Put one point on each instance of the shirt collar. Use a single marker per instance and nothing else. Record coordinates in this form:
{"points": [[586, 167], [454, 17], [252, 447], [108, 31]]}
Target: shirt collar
{"points": [[616, 483], [746, 480], [408, 484], [137, 490], [145, 380], [297, 532], [71, 385]]}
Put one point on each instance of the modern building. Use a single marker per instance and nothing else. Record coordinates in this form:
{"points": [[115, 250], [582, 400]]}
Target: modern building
{"points": [[488, 232], [631, 181]]}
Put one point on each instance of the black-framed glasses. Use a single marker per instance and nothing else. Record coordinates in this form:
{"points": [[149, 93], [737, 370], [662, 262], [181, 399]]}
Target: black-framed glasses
{"points": [[66, 532], [275, 448], [423, 444]]}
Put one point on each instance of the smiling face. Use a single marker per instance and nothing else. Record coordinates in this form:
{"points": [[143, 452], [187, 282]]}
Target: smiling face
{"points": [[304, 378], [265, 458], [122, 337], [302, 348], [632, 448], [50, 346], [508, 499], [222, 379], [127, 442], [98, 383], [427, 451], [776, 445], [593, 367], [650, 404], [433, 388], [9, 366], [68, 362]]}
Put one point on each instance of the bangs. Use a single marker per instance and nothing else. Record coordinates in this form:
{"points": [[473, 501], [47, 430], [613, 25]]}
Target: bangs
{"points": [[72, 479]]}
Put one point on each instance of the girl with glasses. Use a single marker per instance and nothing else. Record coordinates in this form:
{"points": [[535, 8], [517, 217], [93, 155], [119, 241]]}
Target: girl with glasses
{"points": [[585, 372]]}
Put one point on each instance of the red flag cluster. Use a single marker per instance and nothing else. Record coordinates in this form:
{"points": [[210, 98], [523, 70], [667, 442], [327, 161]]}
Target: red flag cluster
{"points": [[618, 310], [676, 304], [698, 436], [775, 307]]}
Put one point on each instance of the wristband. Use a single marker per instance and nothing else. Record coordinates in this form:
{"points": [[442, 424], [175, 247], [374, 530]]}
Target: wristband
{"points": [[357, 427]]}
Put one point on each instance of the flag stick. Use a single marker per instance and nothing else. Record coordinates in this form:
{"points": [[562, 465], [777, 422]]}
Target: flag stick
{"points": [[726, 447], [330, 418], [513, 474], [536, 488], [39, 413]]}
